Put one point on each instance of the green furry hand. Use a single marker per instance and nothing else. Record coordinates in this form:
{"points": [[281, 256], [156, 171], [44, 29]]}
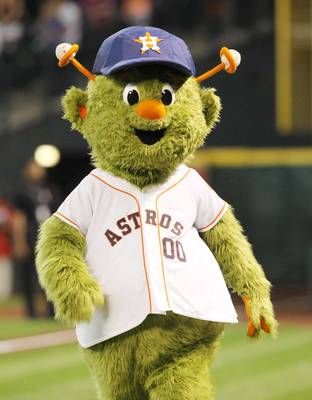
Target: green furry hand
{"points": [[260, 316], [242, 273], [77, 304], [64, 274]]}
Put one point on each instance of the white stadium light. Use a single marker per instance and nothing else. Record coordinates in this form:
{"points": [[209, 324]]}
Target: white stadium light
{"points": [[47, 155]]}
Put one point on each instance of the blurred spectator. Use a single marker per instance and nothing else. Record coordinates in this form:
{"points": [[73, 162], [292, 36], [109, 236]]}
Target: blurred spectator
{"points": [[11, 24], [59, 21], [137, 12], [32, 7], [17, 62], [215, 14], [179, 16], [101, 20], [33, 205], [6, 273], [99, 13], [17, 58]]}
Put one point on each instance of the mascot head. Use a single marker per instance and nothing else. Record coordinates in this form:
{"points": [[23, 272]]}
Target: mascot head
{"points": [[143, 112]]}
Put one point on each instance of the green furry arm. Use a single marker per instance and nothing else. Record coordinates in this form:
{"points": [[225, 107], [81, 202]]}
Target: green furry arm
{"points": [[63, 272], [241, 271]]}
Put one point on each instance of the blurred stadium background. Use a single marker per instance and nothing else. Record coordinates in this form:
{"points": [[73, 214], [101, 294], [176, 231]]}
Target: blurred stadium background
{"points": [[259, 158]]}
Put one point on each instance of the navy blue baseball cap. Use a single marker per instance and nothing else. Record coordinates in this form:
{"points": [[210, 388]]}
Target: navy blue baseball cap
{"points": [[140, 45]]}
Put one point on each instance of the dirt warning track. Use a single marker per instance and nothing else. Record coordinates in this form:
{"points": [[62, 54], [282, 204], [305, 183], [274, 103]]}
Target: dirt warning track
{"points": [[37, 341]]}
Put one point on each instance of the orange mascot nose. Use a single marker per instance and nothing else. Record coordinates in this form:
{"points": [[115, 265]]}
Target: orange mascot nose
{"points": [[151, 109]]}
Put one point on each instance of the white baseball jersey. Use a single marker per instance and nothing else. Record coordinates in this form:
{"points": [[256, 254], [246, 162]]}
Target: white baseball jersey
{"points": [[144, 249]]}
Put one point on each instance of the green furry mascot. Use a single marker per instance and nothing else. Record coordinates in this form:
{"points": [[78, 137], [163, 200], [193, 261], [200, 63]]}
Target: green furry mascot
{"points": [[139, 256]]}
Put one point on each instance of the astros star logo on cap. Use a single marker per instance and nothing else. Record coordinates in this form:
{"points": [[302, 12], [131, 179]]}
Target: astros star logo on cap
{"points": [[148, 43], [140, 45]]}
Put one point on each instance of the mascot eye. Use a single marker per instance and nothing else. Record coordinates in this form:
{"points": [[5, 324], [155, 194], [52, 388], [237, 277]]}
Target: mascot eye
{"points": [[131, 94], [167, 95]]}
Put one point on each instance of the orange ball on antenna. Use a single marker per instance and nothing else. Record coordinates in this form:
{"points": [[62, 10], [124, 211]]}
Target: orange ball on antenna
{"points": [[65, 53], [230, 60]]}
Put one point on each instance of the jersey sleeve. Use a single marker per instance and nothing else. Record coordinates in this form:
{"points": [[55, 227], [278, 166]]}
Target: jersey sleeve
{"points": [[77, 208], [210, 207]]}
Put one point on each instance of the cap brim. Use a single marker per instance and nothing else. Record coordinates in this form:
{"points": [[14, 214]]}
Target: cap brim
{"points": [[126, 64]]}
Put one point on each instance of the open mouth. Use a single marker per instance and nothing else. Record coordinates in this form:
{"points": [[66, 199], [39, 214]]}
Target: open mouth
{"points": [[150, 137]]}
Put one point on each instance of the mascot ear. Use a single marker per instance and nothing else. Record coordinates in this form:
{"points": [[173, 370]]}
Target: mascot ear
{"points": [[75, 107], [211, 106]]}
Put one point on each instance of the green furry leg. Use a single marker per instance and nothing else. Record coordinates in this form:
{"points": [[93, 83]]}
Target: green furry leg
{"points": [[185, 379], [165, 358], [112, 365]]}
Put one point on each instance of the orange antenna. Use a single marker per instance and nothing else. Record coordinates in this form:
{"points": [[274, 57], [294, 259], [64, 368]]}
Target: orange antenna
{"points": [[230, 60], [65, 53]]}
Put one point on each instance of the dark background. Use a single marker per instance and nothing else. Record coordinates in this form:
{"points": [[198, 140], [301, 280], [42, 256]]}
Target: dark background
{"points": [[273, 203]]}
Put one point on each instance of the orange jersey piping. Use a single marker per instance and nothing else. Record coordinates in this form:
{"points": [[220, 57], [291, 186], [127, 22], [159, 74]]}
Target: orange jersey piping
{"points": [[68, 219], [215, 219]]}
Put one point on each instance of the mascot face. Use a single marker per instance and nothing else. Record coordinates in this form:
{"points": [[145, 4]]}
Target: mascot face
{"points": [[142, 129], [145, 118]]}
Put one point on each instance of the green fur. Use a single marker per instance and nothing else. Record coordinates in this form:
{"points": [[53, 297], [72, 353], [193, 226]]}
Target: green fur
{"points": [[74, 99], [169, 357], [166, 357], [241, 271], [63, 272], [110, 124]]}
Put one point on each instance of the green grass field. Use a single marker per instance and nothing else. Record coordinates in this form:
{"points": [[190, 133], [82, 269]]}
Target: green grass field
{"points": [[264, 370], [19, 327]]}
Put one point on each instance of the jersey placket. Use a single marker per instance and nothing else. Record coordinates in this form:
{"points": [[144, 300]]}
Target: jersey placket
{"points": [[154, 254]]}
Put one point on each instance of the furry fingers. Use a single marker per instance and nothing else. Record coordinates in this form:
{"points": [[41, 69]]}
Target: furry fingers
{"points": [[260, 317]]}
